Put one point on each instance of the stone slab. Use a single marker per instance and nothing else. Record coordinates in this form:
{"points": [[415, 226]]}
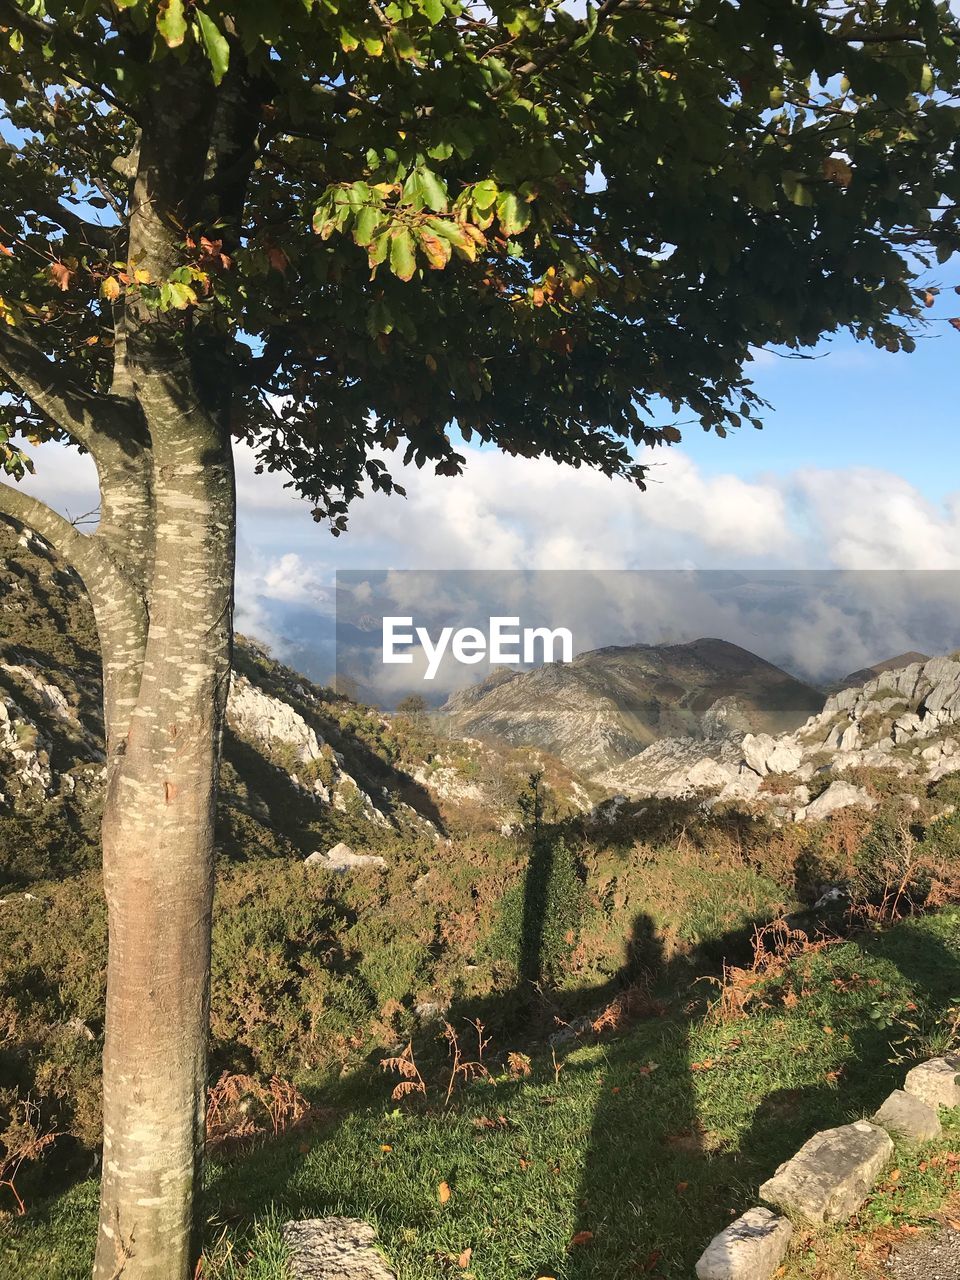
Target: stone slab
{"points": [[749, 1249], [334, 1249], [907, 1117], [831, 1175], [935, 1082]]}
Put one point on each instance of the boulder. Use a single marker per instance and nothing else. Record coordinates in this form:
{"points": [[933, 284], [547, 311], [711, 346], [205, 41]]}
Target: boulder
{"points": [[749, 1249], [708, 774], [334, 1249], [909, 1119], [935, 1082], [342, 858], [850, 738], [756, 748], [831, 1175], [839, 795]]}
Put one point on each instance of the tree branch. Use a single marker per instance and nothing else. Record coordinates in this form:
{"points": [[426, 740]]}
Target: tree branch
{"points": [[90, 233], [77, 548], [102, 424]]}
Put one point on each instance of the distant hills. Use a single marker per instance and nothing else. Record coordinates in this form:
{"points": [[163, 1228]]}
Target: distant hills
{"points": [[611, 703]]}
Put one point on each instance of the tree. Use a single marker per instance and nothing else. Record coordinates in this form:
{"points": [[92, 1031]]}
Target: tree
{"points": [[329, 228], [413, 708]]}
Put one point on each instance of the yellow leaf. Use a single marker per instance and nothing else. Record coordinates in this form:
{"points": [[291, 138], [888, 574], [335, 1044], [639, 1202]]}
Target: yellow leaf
{"points": [[443, 1192], [464, 1260], [142, 276], [110, 288], [385, 1146]]}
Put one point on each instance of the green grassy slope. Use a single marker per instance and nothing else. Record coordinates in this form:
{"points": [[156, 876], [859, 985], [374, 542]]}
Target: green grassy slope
{"points": [[649, 1140]]}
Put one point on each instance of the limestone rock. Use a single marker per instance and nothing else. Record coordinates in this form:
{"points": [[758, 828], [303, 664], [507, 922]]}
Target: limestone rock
{"points": [[831, 1175], [342, 858], [756, 748], [839, 795], [258, 715], [749, 1249], [334, 1249], [935, 1082], [905, 1116]]}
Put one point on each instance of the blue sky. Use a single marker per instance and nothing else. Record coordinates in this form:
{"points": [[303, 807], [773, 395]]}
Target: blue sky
{"points": [[853, 406]]}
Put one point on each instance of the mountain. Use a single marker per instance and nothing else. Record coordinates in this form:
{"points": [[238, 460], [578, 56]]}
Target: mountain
{"points": [[609, 704], [865, 674]]}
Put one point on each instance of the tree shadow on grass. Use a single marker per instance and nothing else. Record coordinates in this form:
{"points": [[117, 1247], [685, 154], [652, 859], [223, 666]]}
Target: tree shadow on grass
{"points": [[661, 1175]]}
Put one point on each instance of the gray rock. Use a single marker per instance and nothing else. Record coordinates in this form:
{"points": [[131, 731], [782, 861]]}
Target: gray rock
{"points": [[334, 1249], [831, 1175], [342, 858], [935, 1082], [749, 1249], [839, 795], [756, 748], [906, 1117]]}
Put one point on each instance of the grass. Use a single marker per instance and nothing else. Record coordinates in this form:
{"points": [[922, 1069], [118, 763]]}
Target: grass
{"points": [[650, 1142]]}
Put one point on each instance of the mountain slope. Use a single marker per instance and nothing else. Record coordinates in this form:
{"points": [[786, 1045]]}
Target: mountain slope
{"points": [[609, 704], [303, 768]]}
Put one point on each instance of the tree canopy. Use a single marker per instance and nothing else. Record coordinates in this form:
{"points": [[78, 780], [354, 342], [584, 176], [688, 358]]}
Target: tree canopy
{"points": [[421, 221]]}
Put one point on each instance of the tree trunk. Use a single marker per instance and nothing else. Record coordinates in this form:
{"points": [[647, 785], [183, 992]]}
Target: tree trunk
{"points": [[158, 861]]}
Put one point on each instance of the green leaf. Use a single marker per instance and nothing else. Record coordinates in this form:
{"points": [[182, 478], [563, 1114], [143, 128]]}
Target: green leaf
{"points": [[402, 43], [379, 319], [16, 41], [367, 224], [434, 191], [172, 22], [378, 250], [433, 10], [403, 258], [514, 214], [485, 194], [215, 43]]}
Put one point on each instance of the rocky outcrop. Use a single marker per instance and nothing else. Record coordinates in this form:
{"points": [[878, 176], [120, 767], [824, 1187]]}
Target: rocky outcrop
{"points": [[342, 858], [839, 795], [259, 717], [899, 720]]}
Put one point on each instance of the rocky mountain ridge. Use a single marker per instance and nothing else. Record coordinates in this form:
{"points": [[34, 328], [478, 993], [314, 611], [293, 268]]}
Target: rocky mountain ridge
{"points": [[905, 719]]}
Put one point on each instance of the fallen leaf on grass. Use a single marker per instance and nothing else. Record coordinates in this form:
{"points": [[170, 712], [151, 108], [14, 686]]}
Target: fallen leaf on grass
{"points": [[443, 1192], [582, 1237], [464, 1260]]}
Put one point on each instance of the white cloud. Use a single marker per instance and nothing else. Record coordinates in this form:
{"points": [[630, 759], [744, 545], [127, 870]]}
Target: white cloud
{"points": [[860, 518]]}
